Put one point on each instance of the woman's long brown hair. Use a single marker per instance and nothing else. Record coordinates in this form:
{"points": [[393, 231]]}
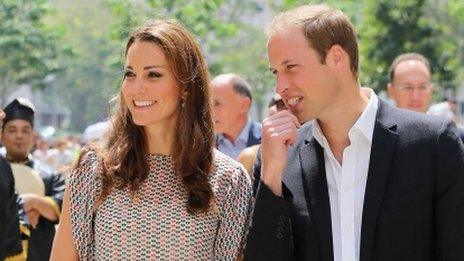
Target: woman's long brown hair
{"points": [[125, 153]]}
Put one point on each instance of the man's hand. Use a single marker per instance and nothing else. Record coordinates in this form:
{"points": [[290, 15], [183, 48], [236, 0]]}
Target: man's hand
{"points": [[41, 205], [33, 217], [30, 201], [279, 132]]}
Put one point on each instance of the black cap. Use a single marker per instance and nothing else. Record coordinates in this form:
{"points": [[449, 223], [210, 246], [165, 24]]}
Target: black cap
{"points": [[19, 109]]}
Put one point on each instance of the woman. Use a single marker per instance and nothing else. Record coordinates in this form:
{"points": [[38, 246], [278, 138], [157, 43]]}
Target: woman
{"points": [[157, 190]]}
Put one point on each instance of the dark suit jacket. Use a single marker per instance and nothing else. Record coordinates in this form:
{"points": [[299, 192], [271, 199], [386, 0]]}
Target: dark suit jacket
{"points": [[254, 134], [413, 206], [10, 241], [461, 133]]}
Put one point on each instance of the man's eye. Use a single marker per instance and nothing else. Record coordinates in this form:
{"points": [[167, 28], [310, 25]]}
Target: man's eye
{"points": [[291, 66]]}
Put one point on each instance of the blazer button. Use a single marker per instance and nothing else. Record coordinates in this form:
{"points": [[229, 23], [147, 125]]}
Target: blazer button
{"points": [[279, 235], [280, 229], [281, 223], [282, 217]]}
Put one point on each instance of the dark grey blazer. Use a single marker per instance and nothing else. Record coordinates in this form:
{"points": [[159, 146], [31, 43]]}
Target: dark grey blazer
{"points": [[413, 206]]}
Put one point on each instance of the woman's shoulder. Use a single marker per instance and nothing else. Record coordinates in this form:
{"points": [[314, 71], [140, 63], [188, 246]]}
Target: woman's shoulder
{"points": [[88, 166], [228, 171]]}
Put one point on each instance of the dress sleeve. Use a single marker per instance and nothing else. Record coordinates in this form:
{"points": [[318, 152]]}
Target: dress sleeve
{"points": [[84, 186], [234, 200]]}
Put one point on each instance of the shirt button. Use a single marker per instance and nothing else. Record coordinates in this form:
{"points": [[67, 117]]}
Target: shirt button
{"points": [[347, 227]]}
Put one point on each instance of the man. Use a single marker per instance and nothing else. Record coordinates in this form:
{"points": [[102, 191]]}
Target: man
{"points": [[410, 83], [10, 241], [42, 211], [362, 180], [231, 104]]}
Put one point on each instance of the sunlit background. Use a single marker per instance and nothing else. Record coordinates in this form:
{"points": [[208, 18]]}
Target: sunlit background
{"points": [[66, 55]]}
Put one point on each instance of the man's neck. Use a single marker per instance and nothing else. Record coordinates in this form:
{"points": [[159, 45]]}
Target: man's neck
{"points": [[18, 160], [234, 133], [341, 119]]}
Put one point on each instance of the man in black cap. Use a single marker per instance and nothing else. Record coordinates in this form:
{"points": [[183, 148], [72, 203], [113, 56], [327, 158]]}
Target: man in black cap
{"points": [[42, 211], [10, 241]]}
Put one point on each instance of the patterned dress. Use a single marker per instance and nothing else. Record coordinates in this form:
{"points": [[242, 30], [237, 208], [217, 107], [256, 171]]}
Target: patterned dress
{"points": [[156, 225]]}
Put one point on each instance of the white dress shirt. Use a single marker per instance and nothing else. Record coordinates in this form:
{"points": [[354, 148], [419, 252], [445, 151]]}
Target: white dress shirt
{"points": [[347, 182]]}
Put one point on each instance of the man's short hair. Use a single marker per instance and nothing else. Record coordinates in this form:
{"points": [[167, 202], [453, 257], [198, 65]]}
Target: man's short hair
{"points": [[323, 27], [408, 57], [239, 84]]}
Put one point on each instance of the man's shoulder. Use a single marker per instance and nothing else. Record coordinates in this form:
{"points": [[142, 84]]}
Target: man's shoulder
{"points": [[256, 127], [410, 123], [461, 133]]}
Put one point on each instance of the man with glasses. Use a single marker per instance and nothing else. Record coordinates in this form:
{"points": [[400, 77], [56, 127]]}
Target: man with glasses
{"points": [[410, 86], [410, 83]]}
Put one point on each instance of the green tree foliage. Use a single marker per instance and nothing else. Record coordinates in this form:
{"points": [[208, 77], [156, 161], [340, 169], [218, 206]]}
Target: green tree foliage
{"points": [[230, 44], [86, 85], [392, 27], [28, 46], [201, 17]]}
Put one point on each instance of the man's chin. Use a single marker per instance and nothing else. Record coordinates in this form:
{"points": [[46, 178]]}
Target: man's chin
{"points": [[416, 109]]}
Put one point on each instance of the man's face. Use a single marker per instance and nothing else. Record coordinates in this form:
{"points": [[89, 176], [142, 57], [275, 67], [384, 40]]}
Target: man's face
{"points": [[307, 86], [17, 137], [411, 87], [228, 106], [2, 116]]}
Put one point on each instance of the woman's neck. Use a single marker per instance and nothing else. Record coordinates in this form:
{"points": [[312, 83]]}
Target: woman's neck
{"points": [[160, 140]]}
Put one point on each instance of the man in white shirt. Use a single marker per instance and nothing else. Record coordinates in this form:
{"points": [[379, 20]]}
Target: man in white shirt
{"points": [[361, 180], [231, 104]]}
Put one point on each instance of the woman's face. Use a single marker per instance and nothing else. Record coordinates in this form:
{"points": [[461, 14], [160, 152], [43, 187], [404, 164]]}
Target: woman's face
{"points": [[149, 87]]}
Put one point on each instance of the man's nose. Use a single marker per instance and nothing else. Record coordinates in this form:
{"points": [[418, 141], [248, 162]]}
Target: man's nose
{"points": [[281, 84]]}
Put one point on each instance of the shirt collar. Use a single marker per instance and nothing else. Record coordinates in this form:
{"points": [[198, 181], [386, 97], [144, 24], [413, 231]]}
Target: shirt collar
{"points": [[243, 136], [365, 123]]}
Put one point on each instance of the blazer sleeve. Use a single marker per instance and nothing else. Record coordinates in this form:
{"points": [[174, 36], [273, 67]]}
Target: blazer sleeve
{"points": [[270, 234], [449, 195]]}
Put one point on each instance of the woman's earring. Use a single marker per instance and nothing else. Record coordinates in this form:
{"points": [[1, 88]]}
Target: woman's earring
{"points": [[182, 103]]}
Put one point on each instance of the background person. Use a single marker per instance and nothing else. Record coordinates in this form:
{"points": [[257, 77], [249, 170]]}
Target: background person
{"points": [[231, 104]]}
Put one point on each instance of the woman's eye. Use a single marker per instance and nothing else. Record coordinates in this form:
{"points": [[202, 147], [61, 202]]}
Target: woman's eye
{"points": [[154, 75], [128, 74]]}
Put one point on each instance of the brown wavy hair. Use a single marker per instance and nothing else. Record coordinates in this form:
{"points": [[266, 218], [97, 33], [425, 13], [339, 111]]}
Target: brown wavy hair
{"points": [[125, 153]]}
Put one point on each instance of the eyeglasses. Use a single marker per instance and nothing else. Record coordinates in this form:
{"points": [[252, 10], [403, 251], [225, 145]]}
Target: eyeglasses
{"points": [[409, 89]]}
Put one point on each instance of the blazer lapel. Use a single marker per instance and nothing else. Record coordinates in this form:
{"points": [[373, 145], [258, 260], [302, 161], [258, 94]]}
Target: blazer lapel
{"points": [[382, 152], [317, 196]]}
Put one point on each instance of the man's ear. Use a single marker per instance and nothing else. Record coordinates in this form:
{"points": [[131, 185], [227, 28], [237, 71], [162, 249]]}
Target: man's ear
{"points": [[337, 57], [391, 90], [246, 104]]}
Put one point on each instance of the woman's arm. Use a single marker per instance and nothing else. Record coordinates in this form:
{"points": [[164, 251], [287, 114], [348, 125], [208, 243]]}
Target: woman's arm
{"points": [[63, 245]]}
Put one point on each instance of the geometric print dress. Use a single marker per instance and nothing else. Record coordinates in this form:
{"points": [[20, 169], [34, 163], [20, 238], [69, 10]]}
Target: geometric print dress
{"points": [[154, 224]]}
